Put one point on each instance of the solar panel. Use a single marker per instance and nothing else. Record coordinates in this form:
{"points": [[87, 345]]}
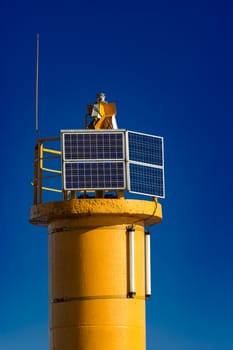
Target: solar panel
{"points": [[93, 160], [93, 145], [95, 176], [145, 164], [145, 148], [146, 180], [101, 160]]}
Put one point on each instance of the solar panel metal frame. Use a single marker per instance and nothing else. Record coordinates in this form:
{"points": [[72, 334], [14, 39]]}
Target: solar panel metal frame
{"points": [[159, 192], [94, 160], [93, 132], [95, 188], [129, 161]]}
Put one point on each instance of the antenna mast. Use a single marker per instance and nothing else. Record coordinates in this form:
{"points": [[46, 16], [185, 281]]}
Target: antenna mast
{"points": [[37, 80]]}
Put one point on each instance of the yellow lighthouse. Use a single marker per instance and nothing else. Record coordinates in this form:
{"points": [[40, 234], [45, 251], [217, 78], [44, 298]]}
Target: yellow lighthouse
{"points": [[99, 247]]}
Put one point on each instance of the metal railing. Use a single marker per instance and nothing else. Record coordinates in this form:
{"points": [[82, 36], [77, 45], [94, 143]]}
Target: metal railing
{"points": [[41, 172]]}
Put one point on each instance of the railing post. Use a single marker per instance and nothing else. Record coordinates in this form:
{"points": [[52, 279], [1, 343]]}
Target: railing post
{"points": [[35, 180], [40, 166]]}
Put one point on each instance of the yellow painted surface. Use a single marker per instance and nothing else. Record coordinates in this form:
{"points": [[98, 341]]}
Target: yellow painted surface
{"points": [[109, 210], [102, 337], [88, 269], [107, 109]]}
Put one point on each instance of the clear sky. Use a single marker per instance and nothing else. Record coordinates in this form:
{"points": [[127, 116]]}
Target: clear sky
{"points": [[168, 67]]}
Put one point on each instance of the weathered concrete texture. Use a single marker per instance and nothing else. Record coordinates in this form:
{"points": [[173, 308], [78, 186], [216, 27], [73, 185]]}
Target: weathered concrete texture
{"points": [[112, 211]]}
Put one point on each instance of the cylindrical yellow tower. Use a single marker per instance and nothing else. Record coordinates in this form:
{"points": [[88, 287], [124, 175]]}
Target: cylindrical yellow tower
{"points": [[97, 271]]}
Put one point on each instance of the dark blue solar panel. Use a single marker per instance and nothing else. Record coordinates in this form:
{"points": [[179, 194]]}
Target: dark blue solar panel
{"points": [[93, 146], [145, 148], [99, 175], [95, 160], [146, 180]]}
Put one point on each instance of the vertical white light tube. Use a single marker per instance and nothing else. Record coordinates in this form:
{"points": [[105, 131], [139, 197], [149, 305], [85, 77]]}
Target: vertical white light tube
{"points": [[148, 264], [132, 290]]}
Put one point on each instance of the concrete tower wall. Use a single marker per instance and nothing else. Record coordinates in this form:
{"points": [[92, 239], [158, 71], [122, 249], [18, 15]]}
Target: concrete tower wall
{"points": [[89, 272]]}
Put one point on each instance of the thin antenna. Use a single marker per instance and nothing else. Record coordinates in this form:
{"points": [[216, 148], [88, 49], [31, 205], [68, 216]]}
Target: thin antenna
{"points": [[37, 80]]}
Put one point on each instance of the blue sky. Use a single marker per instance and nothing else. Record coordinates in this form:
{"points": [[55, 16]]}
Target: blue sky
{"points": [[168, 67]]}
